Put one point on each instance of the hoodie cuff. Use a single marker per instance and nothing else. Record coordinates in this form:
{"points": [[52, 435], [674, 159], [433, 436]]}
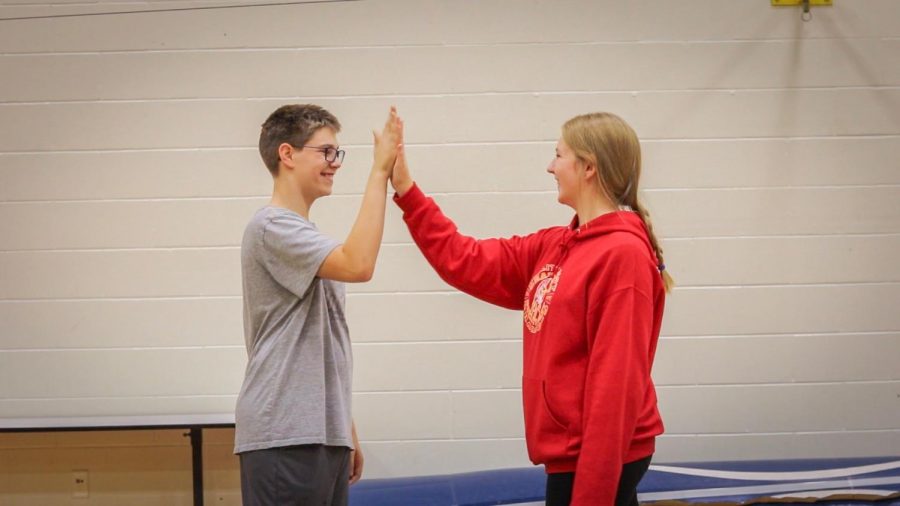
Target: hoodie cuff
{"points": [[412, 199]]}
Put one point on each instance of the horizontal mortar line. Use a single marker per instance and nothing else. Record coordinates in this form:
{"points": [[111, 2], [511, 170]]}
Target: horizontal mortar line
{"points": [[154, 298], [500, 142], [667, 434], [189, 396], [779, 335], [353, 294], [136, 249], [659, 386], [454, 390], [787, 235], [776, 187], [397, 343], [135, 11], [216, 198], [441, 391], [768, 138], [240, 346], [771, 433], [139, 150], [444, 341], [450, 391], [774, 384], [451, 193], [452, 94], [451, 144], [397, 245], [442, 45], [777, 236], [492, 340], [784, 285], [119, 397], [159, 298], [548, 191], [449, 439], [57, 445], [469, 340]]}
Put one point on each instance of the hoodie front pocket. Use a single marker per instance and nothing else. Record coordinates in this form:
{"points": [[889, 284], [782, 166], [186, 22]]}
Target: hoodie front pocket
{"points": [[549, 410], [546, 436]]}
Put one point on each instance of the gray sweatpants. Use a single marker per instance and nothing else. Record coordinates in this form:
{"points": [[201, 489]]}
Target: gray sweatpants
{"points": [[304, 475]]}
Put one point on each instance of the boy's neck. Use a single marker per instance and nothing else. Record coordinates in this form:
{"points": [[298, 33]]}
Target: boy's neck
{"points": [[283, 196]]}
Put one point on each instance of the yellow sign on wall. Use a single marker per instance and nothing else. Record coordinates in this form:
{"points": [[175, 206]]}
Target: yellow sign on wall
{"points": [[800, 2]]}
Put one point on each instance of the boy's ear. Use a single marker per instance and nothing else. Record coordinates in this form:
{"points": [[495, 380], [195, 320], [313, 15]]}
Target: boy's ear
{"points": [[285, 154]]}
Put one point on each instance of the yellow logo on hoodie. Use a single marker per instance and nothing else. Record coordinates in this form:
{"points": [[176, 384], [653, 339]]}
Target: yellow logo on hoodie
{"points": [[538, 296]]}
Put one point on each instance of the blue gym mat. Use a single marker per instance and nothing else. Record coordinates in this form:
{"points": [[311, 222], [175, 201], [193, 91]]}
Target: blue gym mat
{"points": [[827, 482]]}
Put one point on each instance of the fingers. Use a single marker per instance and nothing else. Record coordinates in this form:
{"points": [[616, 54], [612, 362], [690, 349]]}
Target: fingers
{"points": [[392, 116], [393, 123], [387, 141], [352, 466], [355, 467], [399, 169], [400, 164]]}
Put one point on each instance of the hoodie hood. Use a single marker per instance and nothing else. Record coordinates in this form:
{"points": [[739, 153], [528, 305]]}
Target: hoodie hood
{"points": [[618, 221]]}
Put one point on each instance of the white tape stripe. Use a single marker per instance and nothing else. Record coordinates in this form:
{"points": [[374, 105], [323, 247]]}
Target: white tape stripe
{"points": [[779, 476], [820, 494], [764, 489]]}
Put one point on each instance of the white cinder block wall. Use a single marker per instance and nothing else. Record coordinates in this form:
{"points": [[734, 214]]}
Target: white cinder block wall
{"points": [[771, 146]]}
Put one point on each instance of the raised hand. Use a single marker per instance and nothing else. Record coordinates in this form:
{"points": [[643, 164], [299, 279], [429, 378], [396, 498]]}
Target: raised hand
{"points": [[401, 179], [387, 142]]}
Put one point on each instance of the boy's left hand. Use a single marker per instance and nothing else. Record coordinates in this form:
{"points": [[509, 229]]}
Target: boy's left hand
{"points": [[356, 463], [387, 141]]}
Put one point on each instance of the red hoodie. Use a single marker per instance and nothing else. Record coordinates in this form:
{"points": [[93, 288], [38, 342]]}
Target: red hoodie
{"points": [[593, 303]]}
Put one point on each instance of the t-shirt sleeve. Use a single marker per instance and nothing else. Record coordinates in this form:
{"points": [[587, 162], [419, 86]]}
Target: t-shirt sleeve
{"points": [[293, 251]]}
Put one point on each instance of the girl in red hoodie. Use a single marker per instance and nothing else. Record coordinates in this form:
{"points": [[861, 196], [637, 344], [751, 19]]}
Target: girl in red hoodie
{"points": [[592, 295]]}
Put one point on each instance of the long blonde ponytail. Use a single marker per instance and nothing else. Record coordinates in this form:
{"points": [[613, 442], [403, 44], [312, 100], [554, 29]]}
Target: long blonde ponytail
{"points": [[611, 145]]}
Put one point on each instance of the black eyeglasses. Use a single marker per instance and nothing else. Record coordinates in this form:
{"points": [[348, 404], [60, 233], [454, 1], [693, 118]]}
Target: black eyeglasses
{"points": [[331, 153]]}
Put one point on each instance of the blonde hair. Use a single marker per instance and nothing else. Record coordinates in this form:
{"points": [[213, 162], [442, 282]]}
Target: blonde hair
{"points": [[607, 142]]}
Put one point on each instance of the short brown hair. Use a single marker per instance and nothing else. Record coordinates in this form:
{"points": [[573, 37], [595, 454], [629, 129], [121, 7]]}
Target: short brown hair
{"points": [[293, 124]]}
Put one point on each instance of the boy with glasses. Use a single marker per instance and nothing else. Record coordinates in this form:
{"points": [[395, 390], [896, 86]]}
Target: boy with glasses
{"points": [[294, 433]]}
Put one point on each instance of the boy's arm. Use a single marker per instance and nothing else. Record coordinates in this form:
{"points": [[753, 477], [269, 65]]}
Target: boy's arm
{"points": [[354, 261]]}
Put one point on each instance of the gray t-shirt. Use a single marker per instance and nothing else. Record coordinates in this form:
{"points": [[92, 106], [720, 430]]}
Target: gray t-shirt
{"points": [[297, 385]]}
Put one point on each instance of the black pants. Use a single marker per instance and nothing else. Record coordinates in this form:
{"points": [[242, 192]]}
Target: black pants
{"points": [[559, 485], [304, 475]]}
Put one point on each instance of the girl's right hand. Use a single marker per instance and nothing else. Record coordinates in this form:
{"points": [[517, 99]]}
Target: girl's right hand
{"points": [[401, 179]]}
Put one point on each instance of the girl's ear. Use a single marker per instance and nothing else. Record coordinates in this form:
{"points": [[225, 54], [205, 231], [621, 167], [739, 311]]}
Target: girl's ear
{"points": [[590, 171], [285, 154]]}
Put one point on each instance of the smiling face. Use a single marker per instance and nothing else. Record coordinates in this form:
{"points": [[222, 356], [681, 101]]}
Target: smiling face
{"points": [[568, 171], [314, 175]]}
